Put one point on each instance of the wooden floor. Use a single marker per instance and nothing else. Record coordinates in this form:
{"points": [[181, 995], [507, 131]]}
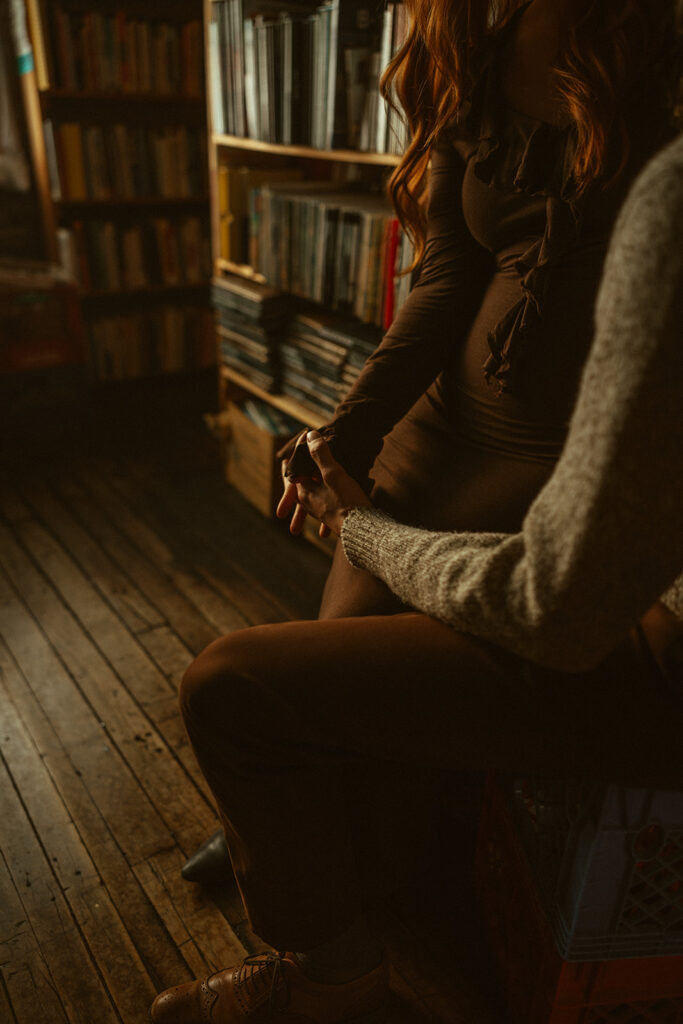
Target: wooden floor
{"points": [[122, 554]]}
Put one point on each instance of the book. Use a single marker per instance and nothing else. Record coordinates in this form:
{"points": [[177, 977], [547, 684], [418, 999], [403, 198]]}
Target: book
{"points": [[237, 54], [215, 79], [229, 67], [391, 245], [52, 161], [397, 128], [367, 139], [251, 81], [385, 57], [261, 303], [70, 155]]}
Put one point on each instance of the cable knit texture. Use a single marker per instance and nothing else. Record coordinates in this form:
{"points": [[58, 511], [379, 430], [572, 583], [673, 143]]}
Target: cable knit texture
{"points": [[604, 538]]}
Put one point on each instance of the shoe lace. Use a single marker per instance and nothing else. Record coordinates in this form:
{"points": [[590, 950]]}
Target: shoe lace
{"points": [[263, 974]]}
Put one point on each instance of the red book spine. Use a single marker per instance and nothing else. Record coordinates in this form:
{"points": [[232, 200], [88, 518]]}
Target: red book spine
{"points": [[389, 273]]}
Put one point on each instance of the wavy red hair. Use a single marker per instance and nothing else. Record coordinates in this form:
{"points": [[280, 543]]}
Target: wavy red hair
{"points": [[607, 55]]}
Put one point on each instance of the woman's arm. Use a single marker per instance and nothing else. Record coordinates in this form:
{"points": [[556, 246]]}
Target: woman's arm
{"points": [[436, 314], [604, 538]]}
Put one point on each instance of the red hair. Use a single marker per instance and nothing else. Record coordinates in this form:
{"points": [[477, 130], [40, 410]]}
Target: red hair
{"points": [[607, 56]]}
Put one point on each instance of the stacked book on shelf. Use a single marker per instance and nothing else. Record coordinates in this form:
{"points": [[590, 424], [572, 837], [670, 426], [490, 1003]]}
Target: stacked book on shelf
{"points": [[341, 249], [236, 211], [322, 356], [124, 161], [303, 73], [106, 255], [111, 51], [168, 339], [250, 323], [267, 417]]}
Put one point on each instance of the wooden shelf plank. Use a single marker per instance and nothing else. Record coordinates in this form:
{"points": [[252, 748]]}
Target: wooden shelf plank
{"points": [[241, 270], [134, 201], [157, 289], [97, 95], [282, 402], [349, 156]]}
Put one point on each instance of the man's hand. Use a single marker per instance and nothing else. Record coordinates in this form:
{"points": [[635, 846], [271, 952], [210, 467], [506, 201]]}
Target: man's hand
{"points": [[328, 499]]}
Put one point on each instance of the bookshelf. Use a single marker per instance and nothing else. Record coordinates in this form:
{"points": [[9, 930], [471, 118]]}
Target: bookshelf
{"points": [[27, 227], [296, 156], [122, 105], [40, 322]]}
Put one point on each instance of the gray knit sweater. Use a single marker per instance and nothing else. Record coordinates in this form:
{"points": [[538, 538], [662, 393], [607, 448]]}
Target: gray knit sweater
{"points": [[604, 538]]}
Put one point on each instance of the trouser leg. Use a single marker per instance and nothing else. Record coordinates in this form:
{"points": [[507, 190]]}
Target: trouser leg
{"points": [[289, 720], [350, 592]]}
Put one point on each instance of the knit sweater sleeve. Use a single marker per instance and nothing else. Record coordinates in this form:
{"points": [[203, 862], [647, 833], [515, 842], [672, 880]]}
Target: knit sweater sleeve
{"points": [[604, 538]]}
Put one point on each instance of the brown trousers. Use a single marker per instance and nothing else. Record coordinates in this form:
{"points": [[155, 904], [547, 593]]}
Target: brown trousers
{"points": [[318, 739]]}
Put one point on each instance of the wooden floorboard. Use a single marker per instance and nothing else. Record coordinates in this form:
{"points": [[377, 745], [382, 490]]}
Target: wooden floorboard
{"points": [[122, 555]]}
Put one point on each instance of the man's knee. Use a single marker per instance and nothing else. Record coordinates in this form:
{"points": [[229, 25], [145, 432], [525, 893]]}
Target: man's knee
{"points": [[216, 678]]}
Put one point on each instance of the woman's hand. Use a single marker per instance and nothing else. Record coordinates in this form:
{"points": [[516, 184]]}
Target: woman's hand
{"points": [[289, 501], [328, 498]]}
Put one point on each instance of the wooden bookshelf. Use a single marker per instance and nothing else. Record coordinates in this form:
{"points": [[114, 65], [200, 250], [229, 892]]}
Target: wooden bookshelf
{"points": [[118, 203], [240, 163], [240, 270], [50, 96], [151, 290], [126, 133], [342, 156]]}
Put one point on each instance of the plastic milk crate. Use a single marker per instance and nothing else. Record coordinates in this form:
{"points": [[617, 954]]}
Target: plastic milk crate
{"points": [[608, 861], [542, 986]]}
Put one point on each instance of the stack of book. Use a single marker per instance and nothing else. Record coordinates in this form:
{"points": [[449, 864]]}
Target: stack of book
{"points": [[269, 418], [236, 209], [114, 52], [291, 73], [124, 161], [250, 323], [322, 356], [341, 249]]}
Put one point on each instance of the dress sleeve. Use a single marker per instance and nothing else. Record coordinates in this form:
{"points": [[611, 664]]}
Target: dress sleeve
{"points": [[435, 316], [603, 539]]}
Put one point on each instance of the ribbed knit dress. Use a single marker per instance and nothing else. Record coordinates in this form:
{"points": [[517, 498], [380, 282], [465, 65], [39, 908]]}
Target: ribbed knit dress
{"points": [[604, 538]]}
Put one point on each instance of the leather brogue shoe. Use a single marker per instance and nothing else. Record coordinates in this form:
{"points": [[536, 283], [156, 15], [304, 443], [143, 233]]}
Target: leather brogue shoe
{"points": [[271, 988], [209, 862]]}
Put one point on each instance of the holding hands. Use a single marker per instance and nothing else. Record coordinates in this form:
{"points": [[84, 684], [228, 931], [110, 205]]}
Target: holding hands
{"points": [[328, 493]]}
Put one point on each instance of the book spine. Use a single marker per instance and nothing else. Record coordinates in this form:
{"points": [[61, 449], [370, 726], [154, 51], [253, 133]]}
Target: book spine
{"points": [[226, 69], [287, 74], [390, 272], [52, 161], [214, 76], [250, 81], [238, 65], [71, 152], [331, 83], [385, 51], [262, 84]]}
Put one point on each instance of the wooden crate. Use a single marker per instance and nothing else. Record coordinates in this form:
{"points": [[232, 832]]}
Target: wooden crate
{"points": [[251, 466]]}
